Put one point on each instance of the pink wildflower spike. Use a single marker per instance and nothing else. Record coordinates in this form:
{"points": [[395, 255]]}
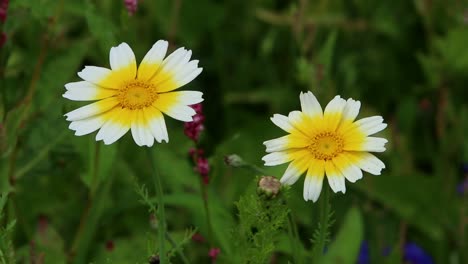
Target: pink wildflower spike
{"points": [[194, 128], [3, 10], [197, 237], [131, 6]]}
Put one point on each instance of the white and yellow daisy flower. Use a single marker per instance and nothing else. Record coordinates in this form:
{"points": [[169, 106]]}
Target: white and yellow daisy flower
{"points": [[134, 98], [327, 143]]}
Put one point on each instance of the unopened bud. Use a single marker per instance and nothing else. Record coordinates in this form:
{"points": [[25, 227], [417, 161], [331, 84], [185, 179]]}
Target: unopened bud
{"points": [[268, 186], [234, 160]]}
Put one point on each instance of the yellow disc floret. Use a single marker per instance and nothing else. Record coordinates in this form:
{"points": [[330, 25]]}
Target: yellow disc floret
{"points": [[137, 95], [326, 145]]}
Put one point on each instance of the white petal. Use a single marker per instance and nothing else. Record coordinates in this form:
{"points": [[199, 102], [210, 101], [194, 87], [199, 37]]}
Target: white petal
{"points": [[276, 144], [350, 171], [189, 97], [179, 112], [282, 122], [295, 169], [155, 120], [176, 59], [312, 187], [95, 74], [371, 125], [92, 109], [351, 110], [310, 105], [86, 91], [335, 179], [366, 161], [276, 158], [152, 60], [140, 132], [189, 77], [112, 130], [336, 105], [121, 57], [374, 144], [86, 126]]}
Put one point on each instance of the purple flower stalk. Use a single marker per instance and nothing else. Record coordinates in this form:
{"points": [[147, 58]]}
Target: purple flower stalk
{"points": [[132, 6]]}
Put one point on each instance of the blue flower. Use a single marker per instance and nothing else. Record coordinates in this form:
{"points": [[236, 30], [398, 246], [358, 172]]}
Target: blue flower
{"points": [[414, 254], [364, 257]]}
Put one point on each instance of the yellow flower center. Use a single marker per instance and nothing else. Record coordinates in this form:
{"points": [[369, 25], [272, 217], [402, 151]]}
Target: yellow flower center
{"points": [[137, 95], [326, 145]]}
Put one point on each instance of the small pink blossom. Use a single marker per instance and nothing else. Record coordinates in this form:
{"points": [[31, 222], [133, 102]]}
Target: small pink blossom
{"points": [[213, 253], [131, 6], [110, 245]]}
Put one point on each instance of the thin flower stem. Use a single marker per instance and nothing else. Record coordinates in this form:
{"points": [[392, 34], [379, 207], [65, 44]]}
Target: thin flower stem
{"points": [[319, 246], [161, 214], [204, 193], [294, 238]]}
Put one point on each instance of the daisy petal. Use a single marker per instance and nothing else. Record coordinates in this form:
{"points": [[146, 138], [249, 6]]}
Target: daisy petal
{"points": [[335, 179], [140, 131], [366, 161], [286, 142], [155, 120], [314, 180], [333, 113], [116, 126], [277, 158], [295, 169], [92, 109], [309, 105], [351, 110], [122, 60], [87, 126], [350, 171], [152, 61], [86, 91], [172, 104]]}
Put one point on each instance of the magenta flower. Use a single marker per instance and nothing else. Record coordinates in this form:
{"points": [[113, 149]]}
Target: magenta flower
{"points": [[194, 128], [131, 6]]}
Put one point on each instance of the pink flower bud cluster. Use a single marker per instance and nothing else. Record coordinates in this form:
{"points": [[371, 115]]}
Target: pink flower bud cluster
{"points": [[194, 128], [131, 6], [3, 16], [202, 167]]}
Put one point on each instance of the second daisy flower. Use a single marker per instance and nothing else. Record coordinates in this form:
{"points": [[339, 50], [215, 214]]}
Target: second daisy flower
{"points": [[327, 143]]}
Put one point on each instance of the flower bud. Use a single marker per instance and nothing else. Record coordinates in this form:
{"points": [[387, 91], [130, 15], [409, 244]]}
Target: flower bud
{"points": [[268, 186], [234, 160]]}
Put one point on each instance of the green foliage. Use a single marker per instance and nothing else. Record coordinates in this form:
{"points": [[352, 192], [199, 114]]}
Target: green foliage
{"points": [[261, 221], [64, 198]]}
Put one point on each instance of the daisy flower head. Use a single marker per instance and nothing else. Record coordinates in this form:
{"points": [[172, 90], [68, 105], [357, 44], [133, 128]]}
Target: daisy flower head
{"points": [[326, 143], [134, 98]]}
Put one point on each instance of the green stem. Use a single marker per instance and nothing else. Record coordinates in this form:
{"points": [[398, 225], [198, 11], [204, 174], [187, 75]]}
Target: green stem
{"points": [[319, 246], [294, 237], [204, 193], [177, 248], [161, 214]]}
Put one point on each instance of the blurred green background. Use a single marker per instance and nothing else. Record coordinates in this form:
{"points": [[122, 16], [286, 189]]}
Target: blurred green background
{"points": [[406, 60]]}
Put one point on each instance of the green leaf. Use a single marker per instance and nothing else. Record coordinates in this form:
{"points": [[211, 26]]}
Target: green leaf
{"points": [[345, 248]]}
